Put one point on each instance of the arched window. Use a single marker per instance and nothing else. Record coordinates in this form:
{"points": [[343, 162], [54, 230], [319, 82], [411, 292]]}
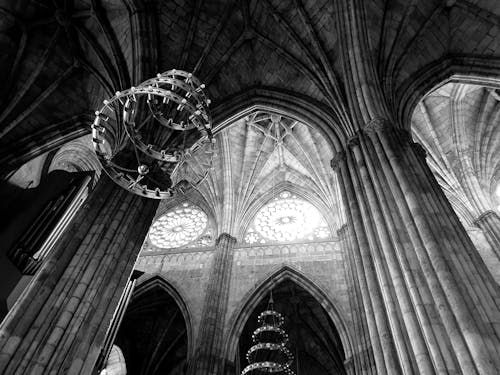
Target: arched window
{"points": [[287, 218], [183, 226]]}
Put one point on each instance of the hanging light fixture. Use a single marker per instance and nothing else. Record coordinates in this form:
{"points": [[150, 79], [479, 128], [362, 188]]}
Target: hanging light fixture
{"points": [[270, 353], [142, 135]]}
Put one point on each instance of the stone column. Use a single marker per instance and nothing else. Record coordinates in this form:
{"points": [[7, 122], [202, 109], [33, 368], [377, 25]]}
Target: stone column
{"points": [[361, 362], [489, 222], [442, 305], [58, 325], [208, 357]]}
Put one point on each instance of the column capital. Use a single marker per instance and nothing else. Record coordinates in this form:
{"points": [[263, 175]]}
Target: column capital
{"points": [[377, 125], [353, 141], [342, 230], [337, 160], [490, 214], [225, 237]]}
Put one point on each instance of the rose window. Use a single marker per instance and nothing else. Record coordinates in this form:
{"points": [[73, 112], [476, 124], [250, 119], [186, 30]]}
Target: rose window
{"points": [[179, 227], [287, 218]]}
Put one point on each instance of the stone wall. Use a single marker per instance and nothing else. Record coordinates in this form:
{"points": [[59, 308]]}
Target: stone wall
{"points": [[188, 271]]}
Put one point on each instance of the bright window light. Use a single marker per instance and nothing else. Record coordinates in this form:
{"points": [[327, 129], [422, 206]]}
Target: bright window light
{"points": [[287, 218], [180, 226]]}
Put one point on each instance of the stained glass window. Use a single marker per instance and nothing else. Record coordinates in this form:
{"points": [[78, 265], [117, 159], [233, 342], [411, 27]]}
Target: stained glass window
{"points": [[287, 218], [181, 226]]}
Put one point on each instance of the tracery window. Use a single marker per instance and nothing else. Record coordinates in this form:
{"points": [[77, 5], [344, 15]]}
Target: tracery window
{"points": [[287, 218], [184, 225]]}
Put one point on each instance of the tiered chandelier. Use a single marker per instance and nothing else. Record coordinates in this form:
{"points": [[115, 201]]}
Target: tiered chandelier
{"points": [[143, 135], [270, 353]]}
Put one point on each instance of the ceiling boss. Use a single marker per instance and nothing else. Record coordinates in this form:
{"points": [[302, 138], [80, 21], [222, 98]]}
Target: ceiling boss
{"points": [[145, 135]]}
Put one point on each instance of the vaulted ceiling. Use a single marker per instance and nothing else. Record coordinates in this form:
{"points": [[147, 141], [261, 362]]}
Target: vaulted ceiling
{"points": [[458, 125], [257, 156], [61, 58]]}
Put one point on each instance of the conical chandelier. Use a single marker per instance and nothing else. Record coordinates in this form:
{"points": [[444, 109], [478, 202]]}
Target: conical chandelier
{"points": [[270, 353]]}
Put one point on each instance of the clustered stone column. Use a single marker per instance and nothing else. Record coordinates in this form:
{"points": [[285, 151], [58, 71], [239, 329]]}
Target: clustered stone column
{"points": [[361, 362], [489, 222], [208, 359], [431, 305], [59, 324]]}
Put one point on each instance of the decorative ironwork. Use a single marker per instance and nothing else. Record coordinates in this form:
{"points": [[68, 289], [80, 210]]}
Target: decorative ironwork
{"points": [[270, 353], [143, 135]]}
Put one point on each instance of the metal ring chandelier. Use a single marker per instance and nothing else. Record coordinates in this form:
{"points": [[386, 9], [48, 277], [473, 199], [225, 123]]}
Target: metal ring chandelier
{"points": [[270, 353], [143, 135]]}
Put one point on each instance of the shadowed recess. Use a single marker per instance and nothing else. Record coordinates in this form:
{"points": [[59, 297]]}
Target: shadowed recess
{"points": [[153, 335], [314, 340]]}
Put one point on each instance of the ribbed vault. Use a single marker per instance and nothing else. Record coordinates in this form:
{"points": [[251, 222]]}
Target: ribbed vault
{"points": [[458, 126], [260, 155], [60, 58]]}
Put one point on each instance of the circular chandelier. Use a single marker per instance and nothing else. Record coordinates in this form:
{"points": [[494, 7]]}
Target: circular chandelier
{"points": [[270, 353], [145, 134]]}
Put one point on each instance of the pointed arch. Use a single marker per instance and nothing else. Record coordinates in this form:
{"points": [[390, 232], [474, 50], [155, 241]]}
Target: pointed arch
{"points": [[483, 70], [300, 108], [250, 301], [282, 186], [150, 282]]}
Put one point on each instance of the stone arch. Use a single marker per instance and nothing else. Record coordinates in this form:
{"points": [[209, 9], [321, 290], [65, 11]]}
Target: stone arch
{"points": [[302, 109], [303, 193], [156, 280], [484, 70], [250, 301]]}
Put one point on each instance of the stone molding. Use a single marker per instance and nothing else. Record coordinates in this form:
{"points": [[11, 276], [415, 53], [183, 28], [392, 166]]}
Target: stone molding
{"points": [[485, 216]]}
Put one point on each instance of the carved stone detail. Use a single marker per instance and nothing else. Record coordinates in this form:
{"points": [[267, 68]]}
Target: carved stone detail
{"points": [[337, 160], [377, 125], [353, 141]]}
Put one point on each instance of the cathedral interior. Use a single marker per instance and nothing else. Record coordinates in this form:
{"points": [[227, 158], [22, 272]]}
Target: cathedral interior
{"points": [[233, 187]]}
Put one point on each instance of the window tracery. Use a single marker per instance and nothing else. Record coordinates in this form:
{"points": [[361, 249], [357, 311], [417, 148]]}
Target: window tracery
{"points": [[287, 218], [184, 225]]}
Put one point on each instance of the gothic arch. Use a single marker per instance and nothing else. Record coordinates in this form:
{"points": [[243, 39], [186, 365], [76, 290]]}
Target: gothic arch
{"points": [[252, 298], [477, 69], [262, 200], [299, 108], [158, 281]]}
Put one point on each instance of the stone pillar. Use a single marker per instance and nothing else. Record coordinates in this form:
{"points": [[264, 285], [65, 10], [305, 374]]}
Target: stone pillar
{"points": [[489, 222], [361, 362], [208, 357], [58, 325], [441, 305]]}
